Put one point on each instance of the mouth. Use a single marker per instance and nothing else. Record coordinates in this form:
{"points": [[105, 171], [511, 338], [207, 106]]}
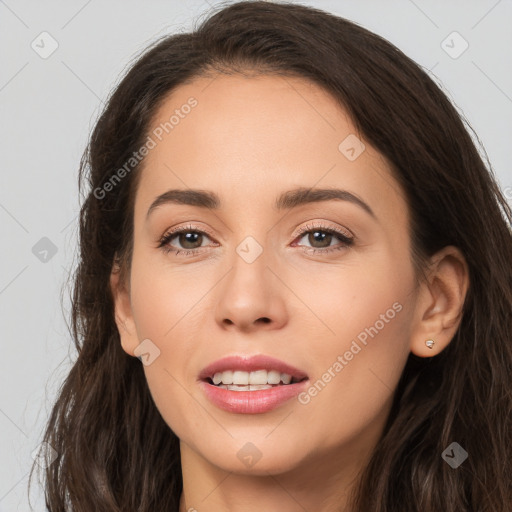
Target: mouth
{"points": [[257, 384], [254, 373], [237, 380]]}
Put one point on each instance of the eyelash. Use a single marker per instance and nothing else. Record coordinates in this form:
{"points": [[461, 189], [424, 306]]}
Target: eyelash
{"points": [[346, 240]]}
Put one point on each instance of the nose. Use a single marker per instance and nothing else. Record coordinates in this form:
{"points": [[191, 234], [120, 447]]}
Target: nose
{"points": [[251, 296]]}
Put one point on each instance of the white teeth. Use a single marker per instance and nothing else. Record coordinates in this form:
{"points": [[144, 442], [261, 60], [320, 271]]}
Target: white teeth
{"points": [[256, 388], [256, 378], [240, 378], [286, 378], [233, 387], [259, 377], [273, 377]]}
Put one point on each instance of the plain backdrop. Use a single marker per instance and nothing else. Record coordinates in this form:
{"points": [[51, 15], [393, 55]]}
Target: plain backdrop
{"points": [[49, 103]]}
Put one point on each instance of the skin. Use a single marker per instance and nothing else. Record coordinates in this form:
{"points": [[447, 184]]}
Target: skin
{"points": [[248, 140]]}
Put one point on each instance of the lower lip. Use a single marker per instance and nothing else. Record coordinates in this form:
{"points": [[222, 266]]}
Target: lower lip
{"points": [[252, 402]]}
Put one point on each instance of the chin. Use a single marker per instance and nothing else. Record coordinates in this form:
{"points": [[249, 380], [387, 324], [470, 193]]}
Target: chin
{"points": [[253, 456]]}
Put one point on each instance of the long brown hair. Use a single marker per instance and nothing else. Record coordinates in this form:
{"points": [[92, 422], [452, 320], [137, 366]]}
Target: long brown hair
{"points": [[114, 450]]}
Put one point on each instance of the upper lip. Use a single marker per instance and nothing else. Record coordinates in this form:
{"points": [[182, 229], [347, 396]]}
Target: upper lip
{"points": [[250, 364]]}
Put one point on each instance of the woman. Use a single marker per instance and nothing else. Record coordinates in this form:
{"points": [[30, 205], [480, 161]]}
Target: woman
{"points": [[294, 290]]}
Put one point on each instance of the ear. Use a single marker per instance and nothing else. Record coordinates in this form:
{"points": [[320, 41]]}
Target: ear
{"points": [[123, 311], [438, 310]]}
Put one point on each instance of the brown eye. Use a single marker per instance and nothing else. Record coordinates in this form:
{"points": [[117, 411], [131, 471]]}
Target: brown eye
{"points": [[321, 239], [188, 238]]}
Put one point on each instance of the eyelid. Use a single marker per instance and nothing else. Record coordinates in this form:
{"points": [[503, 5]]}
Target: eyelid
{"points": [[189, 227], [326, 227]]}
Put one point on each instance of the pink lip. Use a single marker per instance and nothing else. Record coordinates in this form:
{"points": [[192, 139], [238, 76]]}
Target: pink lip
{"points": [[251, 402], [250, 364]]}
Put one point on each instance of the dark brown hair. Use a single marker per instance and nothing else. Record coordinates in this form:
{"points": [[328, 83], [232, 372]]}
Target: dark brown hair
{"points": [[116, 453]]}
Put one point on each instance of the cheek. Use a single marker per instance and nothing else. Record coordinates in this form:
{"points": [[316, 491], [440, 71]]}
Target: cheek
{"points": [[166, 304], [358, 365], [356, 301], [356, 383], [165, 298]]}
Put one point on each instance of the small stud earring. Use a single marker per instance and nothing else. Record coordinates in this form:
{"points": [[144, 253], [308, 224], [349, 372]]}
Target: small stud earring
{"points": [[430, 343]]}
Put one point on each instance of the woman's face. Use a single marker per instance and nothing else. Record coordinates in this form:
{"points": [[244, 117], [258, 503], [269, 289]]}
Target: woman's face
{"points": [[246, 281]]}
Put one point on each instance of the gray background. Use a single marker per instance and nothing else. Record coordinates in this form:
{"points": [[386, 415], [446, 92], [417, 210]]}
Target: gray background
{"points": [[48, 105]]}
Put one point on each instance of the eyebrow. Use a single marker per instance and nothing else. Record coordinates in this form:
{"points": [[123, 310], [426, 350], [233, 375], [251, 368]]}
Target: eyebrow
{"points": [[286, 201]]}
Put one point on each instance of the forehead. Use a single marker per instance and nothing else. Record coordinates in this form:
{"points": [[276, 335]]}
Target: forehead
{"points": [[244, 137], [238, 113]]}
